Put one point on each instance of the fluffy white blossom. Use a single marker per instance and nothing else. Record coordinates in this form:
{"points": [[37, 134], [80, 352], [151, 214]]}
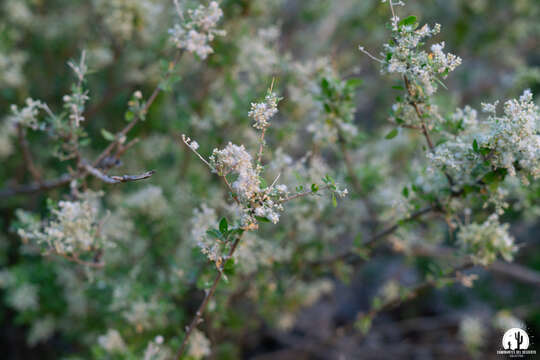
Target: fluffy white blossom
{"points": [[504, 320], [205, 218], [24, 297], [11, 68], [235, 159], [261, 113], [514, 138], [41, 330], [28, 115], [485, 241], [509, 142], [195, 34], [258, 55], [72, 229], [404, 55], [112, 341], [472, 332], [199, 345], [125, 18], [149, 201]]}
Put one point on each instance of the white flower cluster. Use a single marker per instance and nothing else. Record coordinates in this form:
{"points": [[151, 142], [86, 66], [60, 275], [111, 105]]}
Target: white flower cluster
{"points": [[112, 342], [505, 320], [472, 332], [235, 159], [484, 242], [125, 18], [514, 139], [197, 32], [258, 55], [456, 158], [41, 330], [261, 113], [149, 201], [247, 186], [72, 230], [23, 297], [11, 68], [510, 142], [28, 115], [404, 57], [155, 350], [142, 314], [199, 345], [203, 219]]}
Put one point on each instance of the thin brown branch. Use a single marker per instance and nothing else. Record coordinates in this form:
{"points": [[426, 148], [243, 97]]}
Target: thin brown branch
{"points": [[233, 194], [304, 193], [410, 91], [76, 259], [512, 270], [202, 307], [112, 179], [418, 289], [37, 186], [424, 128], [145, 109], [122, 149], [28, 159], [350, 167], [66, 178], [261, 147], [372, 241]]}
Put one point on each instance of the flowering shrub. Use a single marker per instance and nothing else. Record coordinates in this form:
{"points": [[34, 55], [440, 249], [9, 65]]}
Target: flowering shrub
{"points": [[211, 177]]}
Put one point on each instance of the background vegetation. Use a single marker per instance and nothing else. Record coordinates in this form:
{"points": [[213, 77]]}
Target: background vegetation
{"points": [[326, 282]]}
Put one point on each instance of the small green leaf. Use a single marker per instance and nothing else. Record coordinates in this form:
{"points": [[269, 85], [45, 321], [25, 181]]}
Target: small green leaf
{"points": [[262, 219], [314, 188], [475, 146], [327, 108], [376, 303], [237, 231], [223, 226], [410, 20], [405, 192], [107, 135], [229, 267], [334, 200], [215, 233], [325, 86], [129, 116], [485, 151], [392, 134], [354, 83], [363, 324]]}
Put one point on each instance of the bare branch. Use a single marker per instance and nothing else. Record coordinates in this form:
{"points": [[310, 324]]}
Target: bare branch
{"points": [[112, 179], [304, 193], [202, 307], [372, 241], [76, 259], [512, 270], [37, 186], [28, 159], [145, 109]]}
